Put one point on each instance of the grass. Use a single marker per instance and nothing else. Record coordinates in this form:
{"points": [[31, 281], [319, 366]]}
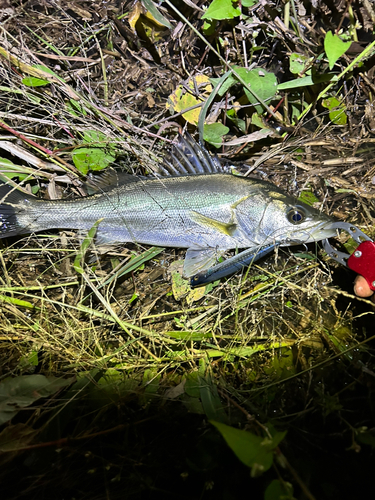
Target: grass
{"points": [[230, 321]]}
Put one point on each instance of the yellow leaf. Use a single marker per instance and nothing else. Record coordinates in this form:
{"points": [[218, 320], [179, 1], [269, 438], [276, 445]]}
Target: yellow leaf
{"points": [[139, 10], [181, 286], [134, 14], [182, 99], [195, 294]]}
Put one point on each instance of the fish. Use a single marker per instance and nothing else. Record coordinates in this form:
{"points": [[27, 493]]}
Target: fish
{"points": [[194, 202]]}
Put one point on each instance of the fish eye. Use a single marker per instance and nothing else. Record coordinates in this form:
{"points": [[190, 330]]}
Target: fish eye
{"points": [[296, 215]]}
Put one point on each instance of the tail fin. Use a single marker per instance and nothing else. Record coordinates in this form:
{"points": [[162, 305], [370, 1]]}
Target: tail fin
{"points": [[12, 203]]}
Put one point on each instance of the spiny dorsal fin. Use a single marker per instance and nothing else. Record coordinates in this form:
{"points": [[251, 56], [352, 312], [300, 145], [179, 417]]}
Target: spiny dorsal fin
{"points": [[189, 158]]}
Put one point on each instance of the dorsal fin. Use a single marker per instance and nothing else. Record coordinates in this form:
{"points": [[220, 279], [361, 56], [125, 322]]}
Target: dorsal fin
{"points": [[190, 158], [187, 157], [107, 180]]}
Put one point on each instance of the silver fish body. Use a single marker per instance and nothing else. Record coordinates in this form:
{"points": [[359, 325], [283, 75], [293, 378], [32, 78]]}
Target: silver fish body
{"points": [[208, 213]]}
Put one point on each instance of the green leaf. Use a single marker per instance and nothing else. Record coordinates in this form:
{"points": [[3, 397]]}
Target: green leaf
{"points": [[193, 405], [222, 9], [19, 392], [97, 155], [279, 490], [282, 365], [78, 261], [210, 286], [111, 387], [209, 28], [133, 298], [365, 436], [334, 48], [350, 246], [32, 81], [337, 110], [180, 286], [213, 133], [151, 380], [306, 81], [303, 255], [15, 170], [151, 7], [86, 159], [151, 383], [225, 84], [47, 70], [298, 62], [209, 100], [241, 124], [249, 3], [308, 197], [90, 136], [242, 352], [29, 361], [261, 81], [192, 386], [75, 108], [17, 302], [263, 84], [189, 335], [258, 120], [254, 451], [212, 405]]}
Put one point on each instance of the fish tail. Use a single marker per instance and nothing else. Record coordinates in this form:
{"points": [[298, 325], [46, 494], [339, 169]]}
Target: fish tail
{"points": [[12, 204]]}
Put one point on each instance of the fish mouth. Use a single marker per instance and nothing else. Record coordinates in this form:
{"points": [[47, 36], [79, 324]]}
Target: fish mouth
{"points": [[326, 230], [321, 231]]}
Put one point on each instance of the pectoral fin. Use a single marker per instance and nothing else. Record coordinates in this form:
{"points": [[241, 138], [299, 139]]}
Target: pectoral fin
{"points": [[222, 227], [199, 259]]}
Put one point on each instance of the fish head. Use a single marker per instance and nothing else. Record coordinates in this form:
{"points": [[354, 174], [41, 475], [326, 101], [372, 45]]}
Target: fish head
{"points": [[299, 224], [284, 220]]}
